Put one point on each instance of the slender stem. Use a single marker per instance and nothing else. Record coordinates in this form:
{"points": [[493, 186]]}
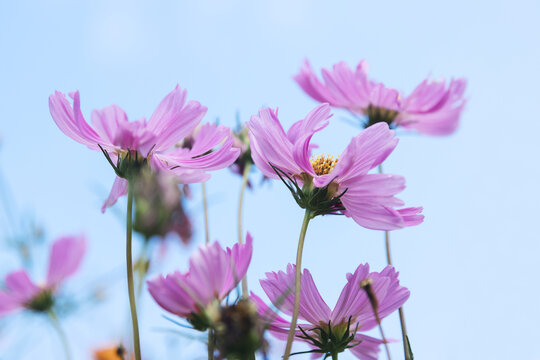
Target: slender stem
{"points": [[61, 334], [142, 267], [334, 356], [406, 347], [245, 177], [387, 241], [210, 344], [297, 284], [384, 338], [129, 268], [205, 205]]}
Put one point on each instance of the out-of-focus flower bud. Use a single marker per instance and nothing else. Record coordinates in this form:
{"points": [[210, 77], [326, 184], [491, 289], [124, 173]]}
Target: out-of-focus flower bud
{"points": [[239, 331], [158, 207]]}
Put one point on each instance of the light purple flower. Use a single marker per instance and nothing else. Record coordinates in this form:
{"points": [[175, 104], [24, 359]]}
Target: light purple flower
{"points": [[353, 309], [432, 108], [21, 292], [367, 198], [153, 141], [213, 273]]}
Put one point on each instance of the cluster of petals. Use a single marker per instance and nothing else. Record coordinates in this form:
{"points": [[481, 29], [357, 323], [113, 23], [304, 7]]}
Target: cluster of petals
{"points": [[213, 273], [432, 108], [367, 198], [64, 261], [156, 139], [352, 306]]}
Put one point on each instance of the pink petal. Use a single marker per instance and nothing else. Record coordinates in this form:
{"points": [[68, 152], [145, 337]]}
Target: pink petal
{"points": [[173, 119], [279, 287], [171, 296], [354, 301], [119, 189], [239, 260], [20, 287], [433, 110], [370, 201], [278, 326], [270, 145], [309, 82], [65, 258], [350, 295], [365, 151], [70, 120], [368, 348], [203, 155], [412, 215], [108, 122], [315, 121], [8, 304]]}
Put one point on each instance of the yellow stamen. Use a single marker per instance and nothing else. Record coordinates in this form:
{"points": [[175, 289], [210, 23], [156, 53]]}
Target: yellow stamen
{"points": [[323, 164]]}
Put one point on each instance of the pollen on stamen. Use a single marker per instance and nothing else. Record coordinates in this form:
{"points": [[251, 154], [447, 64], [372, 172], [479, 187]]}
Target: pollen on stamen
{"points": [[323, 164]]}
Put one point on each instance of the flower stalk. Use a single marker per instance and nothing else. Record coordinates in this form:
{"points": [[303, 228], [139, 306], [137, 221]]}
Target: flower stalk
{"points": [[129, 268], [245, 178], [61, 334], [406, 346], [205, 205], [297, 283]]}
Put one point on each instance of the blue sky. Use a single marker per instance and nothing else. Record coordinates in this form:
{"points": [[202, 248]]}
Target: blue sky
{"points": [[472, 267]]}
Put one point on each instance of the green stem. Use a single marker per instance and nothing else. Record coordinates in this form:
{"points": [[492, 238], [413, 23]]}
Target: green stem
{"points": [[210, 344], [297, 284], [205, 205], [142, 267], [245, 177], [334, 356], [129, 268], [61, 334], [406, 348]]}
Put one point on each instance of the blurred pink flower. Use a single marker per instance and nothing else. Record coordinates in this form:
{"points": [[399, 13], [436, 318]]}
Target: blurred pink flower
{"points": [[153, 141], [352, 313], [343, 182], [65, 258], [213, 273], [432, 108]]}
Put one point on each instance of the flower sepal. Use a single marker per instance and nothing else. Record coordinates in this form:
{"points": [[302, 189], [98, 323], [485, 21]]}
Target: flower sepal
{"points": [[42, 302], [129, 164], [329, 340], [319, 201], [377, 114]]}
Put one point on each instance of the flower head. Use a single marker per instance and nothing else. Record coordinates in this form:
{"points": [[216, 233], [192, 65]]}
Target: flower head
{"points": [[132, 145], [432, 108], [239, 332], [158, 207], [213, 273], [22, 293], [330, 185], [334, 330]]}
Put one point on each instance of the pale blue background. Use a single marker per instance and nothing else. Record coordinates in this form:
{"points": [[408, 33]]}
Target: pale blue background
{"points": [[472, 267]]}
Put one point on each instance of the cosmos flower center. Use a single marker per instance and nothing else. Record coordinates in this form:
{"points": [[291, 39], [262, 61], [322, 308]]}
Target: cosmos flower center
{"points": [[323, 164]]}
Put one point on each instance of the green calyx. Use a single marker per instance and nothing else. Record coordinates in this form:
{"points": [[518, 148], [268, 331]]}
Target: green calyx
{"points": [[42, 302], [129, 164], [319, 201], [329, 340], [377, 114], [199, 321]]}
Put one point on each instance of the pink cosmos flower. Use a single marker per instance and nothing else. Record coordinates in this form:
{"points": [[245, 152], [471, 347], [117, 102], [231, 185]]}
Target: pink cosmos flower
{"points": [[338, 185], [351, 315], [213, 273], [20, 293], [432, 108], [153, 141]]}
